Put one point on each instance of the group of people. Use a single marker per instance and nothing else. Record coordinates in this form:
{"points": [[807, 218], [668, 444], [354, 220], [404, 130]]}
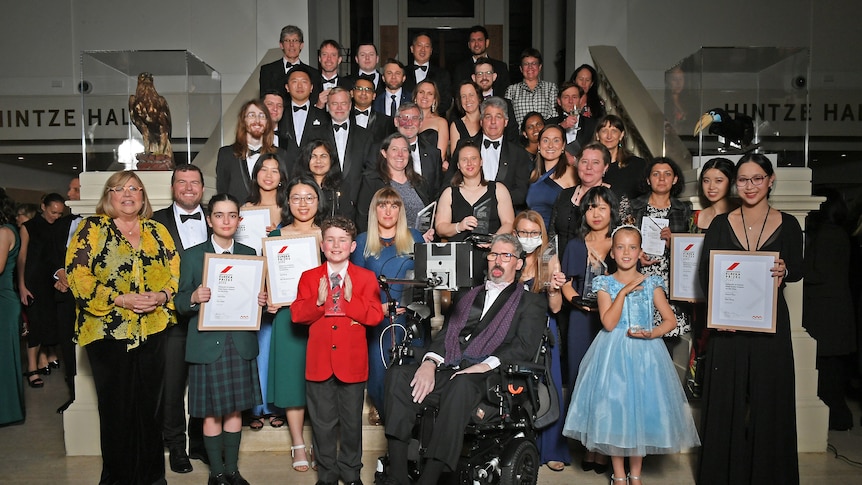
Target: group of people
{"points": [[353, 162]]}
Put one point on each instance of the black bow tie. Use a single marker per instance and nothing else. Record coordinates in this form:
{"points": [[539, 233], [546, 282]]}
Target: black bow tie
{"points": [[334, 80], [369, 77], [357, 112], [184, 217], [288, 65], [297, 108], [488, 143], [342, 126], [424, 68], [255, 151], [413, 147]]}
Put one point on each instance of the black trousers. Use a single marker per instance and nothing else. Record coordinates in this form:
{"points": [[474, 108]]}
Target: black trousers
{"points": [[128, 387], [455, 398], [66, 321], [332, 406], [174, 393]]}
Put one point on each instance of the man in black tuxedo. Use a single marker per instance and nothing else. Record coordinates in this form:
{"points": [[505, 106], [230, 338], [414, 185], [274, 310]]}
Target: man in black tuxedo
{"points": [[353, 145], [427, 160], [377, 124], [485, 76], [490, 325], [388, 101], [185, 221], [421, 69], [254, 135], [579, 129], [478, 44], [366, 58], [329, 58], [302, 121], [291, 42], [503, 160]]}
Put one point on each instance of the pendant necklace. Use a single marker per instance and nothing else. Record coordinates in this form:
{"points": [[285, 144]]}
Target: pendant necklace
{"points": [[744, 225]]}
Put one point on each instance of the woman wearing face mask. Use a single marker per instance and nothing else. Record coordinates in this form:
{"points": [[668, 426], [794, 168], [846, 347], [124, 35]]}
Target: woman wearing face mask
{"points": [[590, 251], [545, 278]]}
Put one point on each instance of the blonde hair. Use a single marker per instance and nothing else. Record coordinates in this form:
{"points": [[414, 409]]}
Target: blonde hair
{"points": [[119, 179], [403, 237], [541, 275]]}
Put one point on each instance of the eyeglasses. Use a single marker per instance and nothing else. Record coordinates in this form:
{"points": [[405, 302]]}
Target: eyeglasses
{"points": [[484, 73], [530, 64], [291, 41], [299, 199], [253, 116], [505, 257], [528, 233], [756, 181], [363, 88], [131, 188], [408, 119]]}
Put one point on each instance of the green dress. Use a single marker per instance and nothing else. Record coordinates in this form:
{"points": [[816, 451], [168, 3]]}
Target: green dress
{"points": [[11, 383], [286, 386]]}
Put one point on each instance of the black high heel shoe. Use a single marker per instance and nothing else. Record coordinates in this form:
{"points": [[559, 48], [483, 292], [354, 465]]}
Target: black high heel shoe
{"points": [[54, 364], [34, 383], [45, 371]]}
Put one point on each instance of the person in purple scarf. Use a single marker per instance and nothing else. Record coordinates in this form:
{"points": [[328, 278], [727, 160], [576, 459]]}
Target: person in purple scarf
{"points": [[490, 325]]}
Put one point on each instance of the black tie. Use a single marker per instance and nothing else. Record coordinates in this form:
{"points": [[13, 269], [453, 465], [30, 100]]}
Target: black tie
{"points": [[342, 126], [334, 80], [184, 217], [488, 143], [225, 252], [287, 66], [369, 77], [393, 107], [297, 108], [424, 68], [252, 152], [356, 112], [413, 147]]}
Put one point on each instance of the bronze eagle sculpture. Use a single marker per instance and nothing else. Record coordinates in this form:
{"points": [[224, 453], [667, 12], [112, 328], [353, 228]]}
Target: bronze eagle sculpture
{"points": [[150, 114]]}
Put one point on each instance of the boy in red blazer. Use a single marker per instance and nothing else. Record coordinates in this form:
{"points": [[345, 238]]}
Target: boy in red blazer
{"points": [[338, 300]]}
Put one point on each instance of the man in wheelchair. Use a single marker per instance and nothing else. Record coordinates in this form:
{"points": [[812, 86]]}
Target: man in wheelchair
{"points": [[491, 325]]}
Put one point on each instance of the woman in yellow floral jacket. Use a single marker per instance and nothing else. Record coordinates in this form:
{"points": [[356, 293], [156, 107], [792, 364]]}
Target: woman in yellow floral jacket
{"points": [[123, 270]]}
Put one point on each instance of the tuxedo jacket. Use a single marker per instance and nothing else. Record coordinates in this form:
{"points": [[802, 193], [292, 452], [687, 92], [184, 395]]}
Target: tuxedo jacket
{"points": [[232, 173], [586, 131], [384, 99], [166, 217], [524, 335], [317, 126], [272, 76], [441, 78], [337, 346], [356, 153], [465, 69], [207, 347], [380, 125]]}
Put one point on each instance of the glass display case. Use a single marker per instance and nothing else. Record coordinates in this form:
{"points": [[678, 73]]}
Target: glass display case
{"points": [[757, 98], [191, 88]]}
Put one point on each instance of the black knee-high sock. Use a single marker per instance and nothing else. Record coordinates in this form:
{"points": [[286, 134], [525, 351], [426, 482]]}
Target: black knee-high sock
{"points": [[398, 461], [215, 451]]}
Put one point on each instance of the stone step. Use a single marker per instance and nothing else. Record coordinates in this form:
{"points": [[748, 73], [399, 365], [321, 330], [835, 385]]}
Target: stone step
{"points": [[278, 439]]}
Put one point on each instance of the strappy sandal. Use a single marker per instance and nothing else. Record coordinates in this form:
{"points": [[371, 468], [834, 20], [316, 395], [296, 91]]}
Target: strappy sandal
{"points": [[34, 383], [277, 421], [255, 423], [632, 477], [299, 465], [624, 479]]}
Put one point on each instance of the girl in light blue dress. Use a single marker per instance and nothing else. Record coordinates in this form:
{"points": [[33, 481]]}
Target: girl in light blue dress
{"points": [[627, 400]]}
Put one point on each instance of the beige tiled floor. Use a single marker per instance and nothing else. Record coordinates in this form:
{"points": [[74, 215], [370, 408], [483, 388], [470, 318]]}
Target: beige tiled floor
{"points": [[33, 453]]}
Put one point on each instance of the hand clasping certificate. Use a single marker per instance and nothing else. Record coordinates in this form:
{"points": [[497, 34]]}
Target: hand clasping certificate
{"points": [[234, 281], [286, 258], [743, 294]]}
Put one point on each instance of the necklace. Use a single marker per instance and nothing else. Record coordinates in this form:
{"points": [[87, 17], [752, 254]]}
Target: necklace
{"points": [[577, 197], [750, 228]]}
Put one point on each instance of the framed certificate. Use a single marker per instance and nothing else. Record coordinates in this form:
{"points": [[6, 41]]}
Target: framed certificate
{"points": [[684, 259], [743, 295], [286, 258], [235, 281], [252, 226]]}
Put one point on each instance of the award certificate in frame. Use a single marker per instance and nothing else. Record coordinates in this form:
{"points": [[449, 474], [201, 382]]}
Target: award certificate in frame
{"points": [[685, 252], [286, 258], [743, 295], [252, 226], [234, 281]]}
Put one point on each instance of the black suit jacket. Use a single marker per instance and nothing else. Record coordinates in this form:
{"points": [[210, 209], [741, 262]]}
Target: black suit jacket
{"points": [[356, 154], [587, 128], [379, 125], [272, 76], [441, 78], [384, 99], [466, 68], [232, 173], [317, 126], [166, 217]]}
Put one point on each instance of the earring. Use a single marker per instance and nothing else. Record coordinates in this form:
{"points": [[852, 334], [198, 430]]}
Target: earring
{"points": [[279, 184]]}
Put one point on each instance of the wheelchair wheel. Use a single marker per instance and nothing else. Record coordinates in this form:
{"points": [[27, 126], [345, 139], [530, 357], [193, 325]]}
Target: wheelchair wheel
{"points": [[524, 466]]}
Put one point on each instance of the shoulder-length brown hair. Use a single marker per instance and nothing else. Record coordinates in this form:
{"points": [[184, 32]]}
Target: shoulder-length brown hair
{"points": [[119, 179]]}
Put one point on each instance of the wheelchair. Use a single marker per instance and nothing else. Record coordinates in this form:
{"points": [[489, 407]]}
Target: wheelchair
{"points": [[499, 444]]}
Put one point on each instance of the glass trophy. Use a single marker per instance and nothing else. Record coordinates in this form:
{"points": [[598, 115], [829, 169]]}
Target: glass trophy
{"points": [[589, 298], [550, 261], [482, 213]]}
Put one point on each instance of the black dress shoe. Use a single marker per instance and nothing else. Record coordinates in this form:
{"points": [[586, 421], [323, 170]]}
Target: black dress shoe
{"points": [[220, 479], [179, 461], [201, 455], [236, 479]]}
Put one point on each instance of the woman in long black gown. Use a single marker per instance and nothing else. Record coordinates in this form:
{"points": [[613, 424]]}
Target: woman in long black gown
{"points": [[749, 414]]}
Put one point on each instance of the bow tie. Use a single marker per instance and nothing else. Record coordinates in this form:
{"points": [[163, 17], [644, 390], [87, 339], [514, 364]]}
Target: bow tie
{"points": [[184, 217], [357, 112], [413, 147], [488, 143], [334, 80], [369, 77], [253, 151], [288, 65], [424, 68], [342, 126], [297, 108], [490, 285]]}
